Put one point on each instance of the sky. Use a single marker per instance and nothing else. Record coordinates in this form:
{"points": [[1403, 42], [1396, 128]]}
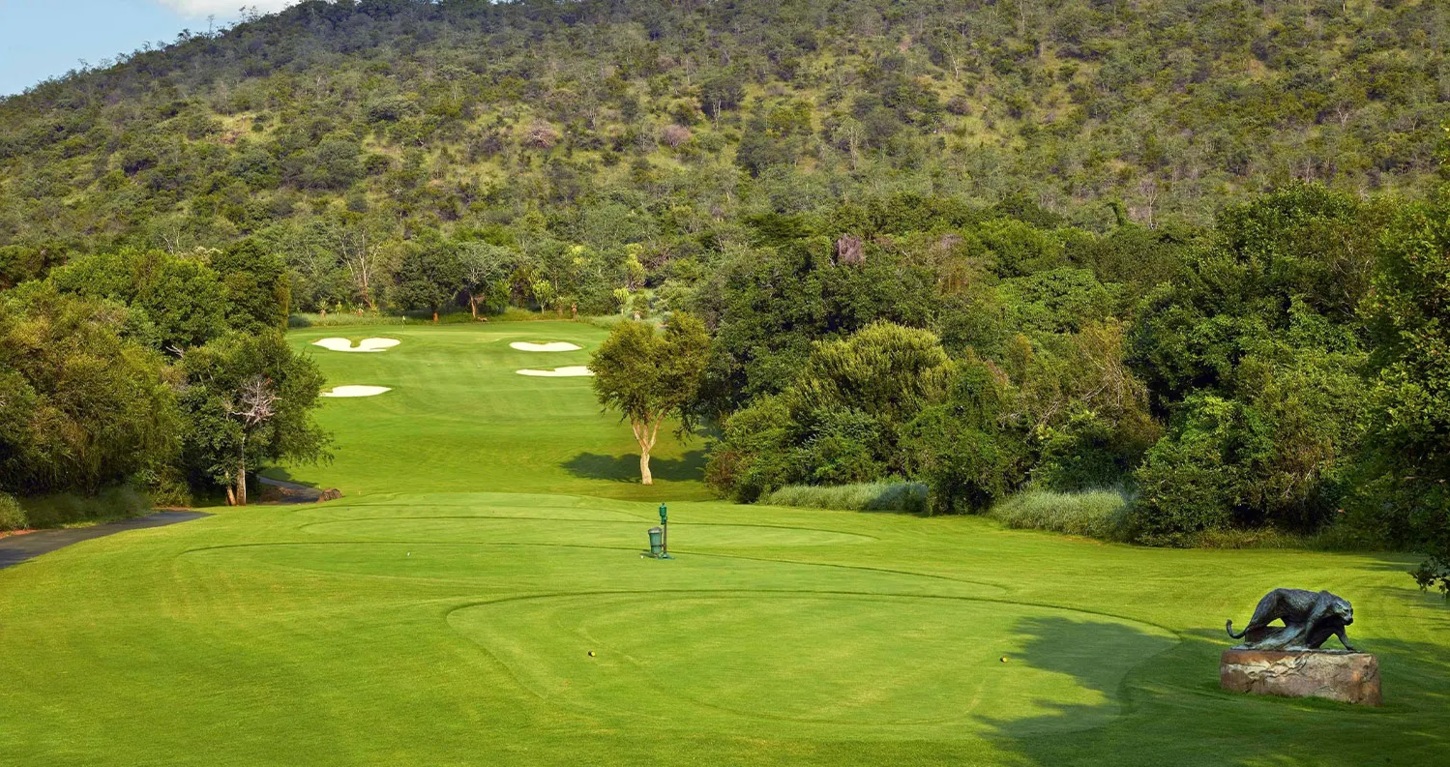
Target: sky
{"points": [[40, 39]]}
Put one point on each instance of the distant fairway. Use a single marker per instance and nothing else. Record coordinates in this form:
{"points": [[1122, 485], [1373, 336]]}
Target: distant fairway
{"points": [[444, 611], [460, 418]]}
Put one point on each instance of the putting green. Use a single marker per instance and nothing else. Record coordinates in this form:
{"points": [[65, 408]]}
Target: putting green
{"points": [[735, 661], [442, 613]]}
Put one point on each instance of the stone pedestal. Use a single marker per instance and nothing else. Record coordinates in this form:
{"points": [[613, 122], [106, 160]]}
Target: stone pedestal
{"points": [[1348, 677]]}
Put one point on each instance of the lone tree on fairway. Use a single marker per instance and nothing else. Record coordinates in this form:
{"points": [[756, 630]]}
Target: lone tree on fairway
{"points": [[648, 376], [248, 400]]}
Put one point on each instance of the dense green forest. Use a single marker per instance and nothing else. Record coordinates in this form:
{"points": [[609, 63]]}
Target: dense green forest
{"points": [[1195, 254]]}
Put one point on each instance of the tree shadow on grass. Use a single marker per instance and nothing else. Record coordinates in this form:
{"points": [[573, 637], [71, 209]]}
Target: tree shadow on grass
{"points": [[1098, 654], [283, 475], [1165, 705], [625, 468]]}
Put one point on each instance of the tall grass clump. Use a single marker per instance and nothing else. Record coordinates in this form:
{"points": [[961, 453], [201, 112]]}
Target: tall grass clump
{"points": [[865, 496], [516, 314], [1101, 514], [69, 508], [343, 319]]}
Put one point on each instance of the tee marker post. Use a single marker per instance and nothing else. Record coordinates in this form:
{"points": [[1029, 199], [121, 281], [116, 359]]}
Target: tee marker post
{"points": [[665, 532]]}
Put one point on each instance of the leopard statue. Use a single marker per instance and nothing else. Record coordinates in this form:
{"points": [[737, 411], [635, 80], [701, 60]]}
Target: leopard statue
{"points": [[1309, 618]]}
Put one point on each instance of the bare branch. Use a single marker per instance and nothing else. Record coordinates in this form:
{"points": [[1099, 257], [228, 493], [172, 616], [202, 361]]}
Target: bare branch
{"points": [[256, 402]]}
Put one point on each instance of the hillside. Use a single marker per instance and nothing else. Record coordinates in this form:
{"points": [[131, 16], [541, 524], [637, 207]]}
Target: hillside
{"points": [[611, 123]]}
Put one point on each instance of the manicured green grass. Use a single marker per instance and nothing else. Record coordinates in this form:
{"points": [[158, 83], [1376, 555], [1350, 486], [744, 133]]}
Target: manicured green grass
{"points": [[460, 418], [444, 612]]}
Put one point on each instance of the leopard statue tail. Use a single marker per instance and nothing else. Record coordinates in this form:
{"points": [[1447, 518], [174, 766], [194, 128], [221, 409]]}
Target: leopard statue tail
{"points": [[1229, 627]]}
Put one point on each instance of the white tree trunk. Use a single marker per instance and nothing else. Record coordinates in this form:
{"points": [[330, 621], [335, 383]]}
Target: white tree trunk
{"points": [[645, 432]]}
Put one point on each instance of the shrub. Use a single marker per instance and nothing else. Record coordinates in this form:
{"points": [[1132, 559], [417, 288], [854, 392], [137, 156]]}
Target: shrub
{"points": [[1189, 482], [1183, 490], [516, 314], [1101, 514], [1435, 572], [12, 517], [866, 496], [675, 136], [69, 508], [541, 135], [1083, 453], [752, 457]]}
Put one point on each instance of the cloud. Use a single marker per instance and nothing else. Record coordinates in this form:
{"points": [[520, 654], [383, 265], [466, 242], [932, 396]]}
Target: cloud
{"points": [[227, 8]]}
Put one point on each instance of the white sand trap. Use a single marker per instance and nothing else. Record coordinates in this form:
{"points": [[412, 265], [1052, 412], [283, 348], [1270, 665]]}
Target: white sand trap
{"points": [[557, 346], [576, 371], [365, 345], [356, 391]]}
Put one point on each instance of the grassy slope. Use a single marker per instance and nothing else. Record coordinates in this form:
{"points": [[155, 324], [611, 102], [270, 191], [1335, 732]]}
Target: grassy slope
{"points": [[430, 619]]}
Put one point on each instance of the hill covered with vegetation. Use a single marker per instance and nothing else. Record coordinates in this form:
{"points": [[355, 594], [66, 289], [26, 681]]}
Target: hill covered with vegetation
{"points": [[611, 123]]}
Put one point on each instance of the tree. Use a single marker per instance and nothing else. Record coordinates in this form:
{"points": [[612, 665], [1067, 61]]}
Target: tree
{"points": [[958, 446], [358, 250], [429, 275], [252, 406], [648, 376], [249, 399], [721, 92], [81, 407], [175, 303], [1404, 498], [840, 420], [255, 282], [485, 270]]}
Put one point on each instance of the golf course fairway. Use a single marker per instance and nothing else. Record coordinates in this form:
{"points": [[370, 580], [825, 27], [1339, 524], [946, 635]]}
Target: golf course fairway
{"points": [[478, 598]]}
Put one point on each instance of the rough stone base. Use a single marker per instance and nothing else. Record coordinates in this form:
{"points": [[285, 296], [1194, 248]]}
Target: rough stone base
{"points": [[1341, 676]]}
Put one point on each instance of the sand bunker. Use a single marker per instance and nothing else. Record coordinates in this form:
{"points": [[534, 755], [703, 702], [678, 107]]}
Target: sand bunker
{"points": [[365, 345], [356, 391], [569, 372], [557, 346]]}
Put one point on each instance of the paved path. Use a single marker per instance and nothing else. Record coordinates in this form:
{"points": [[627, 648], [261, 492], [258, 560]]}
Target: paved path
{"points": [[18, 548], [283, 491]]}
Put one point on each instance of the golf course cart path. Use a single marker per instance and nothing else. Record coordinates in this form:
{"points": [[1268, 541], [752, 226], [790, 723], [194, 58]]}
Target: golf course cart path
{"points": [[20, 548]]}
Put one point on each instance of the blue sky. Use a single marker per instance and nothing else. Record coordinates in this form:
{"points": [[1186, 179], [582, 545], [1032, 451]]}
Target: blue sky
{"points": [[46, 38]]}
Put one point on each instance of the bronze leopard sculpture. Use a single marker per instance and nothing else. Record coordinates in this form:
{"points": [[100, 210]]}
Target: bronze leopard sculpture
{"points": [[1309, 617]]}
